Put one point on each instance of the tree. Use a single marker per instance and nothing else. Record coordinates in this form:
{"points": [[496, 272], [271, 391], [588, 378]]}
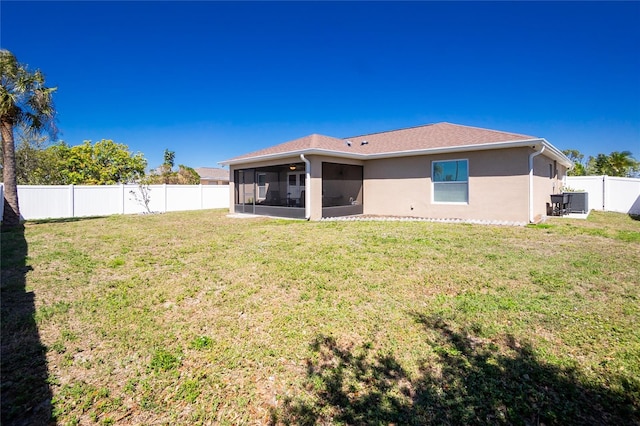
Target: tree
{"points": [[143, 195], [26, 101], [615, 164], [578, 165], [184, 176], [187, 176], [30, 157], [35, 164], [103, 163], [622, 163], [169, 158], [600, 164], [167, 166]]}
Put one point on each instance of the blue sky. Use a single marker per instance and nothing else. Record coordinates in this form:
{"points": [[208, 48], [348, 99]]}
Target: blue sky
{"points": [[212, 80]]}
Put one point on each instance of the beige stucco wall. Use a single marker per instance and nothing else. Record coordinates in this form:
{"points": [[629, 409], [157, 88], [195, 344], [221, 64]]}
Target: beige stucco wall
{"points": [[547, 179], [498, 186]]}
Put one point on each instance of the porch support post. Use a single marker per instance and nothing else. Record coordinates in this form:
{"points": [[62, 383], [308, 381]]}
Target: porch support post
{"points": [[307, 192]]}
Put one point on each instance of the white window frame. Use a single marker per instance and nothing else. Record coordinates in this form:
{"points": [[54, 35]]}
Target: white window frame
{"points": [[433, 182], [262, 189]]}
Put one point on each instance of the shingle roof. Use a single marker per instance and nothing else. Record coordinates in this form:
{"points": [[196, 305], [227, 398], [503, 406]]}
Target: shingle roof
{"points": [[439, 135], [308, 142], [214, 173], [431, 136]]}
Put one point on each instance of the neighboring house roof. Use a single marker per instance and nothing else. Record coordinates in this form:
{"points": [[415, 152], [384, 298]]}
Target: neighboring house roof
{"points": [[431, 138], [213, 173]]}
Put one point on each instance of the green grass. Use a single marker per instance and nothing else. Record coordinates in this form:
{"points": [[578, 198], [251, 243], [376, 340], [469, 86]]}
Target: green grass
{"points": [[196, 318]]}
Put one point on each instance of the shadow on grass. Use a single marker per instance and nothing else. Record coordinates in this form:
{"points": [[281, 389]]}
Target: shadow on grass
{"points": [[25, 393], [468, 380], [65, 219]]}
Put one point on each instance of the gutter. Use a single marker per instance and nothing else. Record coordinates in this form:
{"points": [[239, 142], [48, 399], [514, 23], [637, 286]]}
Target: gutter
{"points": [[307, 192], [531, 157]]}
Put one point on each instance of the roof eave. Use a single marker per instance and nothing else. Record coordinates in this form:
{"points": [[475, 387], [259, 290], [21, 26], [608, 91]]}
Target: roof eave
{"points": [[459, 148], [287, 154], [551, 151], [558, 155]]}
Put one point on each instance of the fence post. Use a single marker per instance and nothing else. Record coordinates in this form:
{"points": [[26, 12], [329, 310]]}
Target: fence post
{"points": [[605, 193], [71, 201], [201, 197], [122, 199], [164, 185]]}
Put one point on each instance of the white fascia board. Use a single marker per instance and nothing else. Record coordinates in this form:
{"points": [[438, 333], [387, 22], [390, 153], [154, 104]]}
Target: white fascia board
{"points": [[288, 154], [460, 148], [553, 152], [556, 154]]}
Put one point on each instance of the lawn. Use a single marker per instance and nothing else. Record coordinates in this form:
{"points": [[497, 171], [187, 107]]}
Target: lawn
{"points": [[196, 318]]}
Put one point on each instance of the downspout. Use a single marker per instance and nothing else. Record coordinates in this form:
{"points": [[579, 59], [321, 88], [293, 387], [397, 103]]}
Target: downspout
{"points": [[307, 193], [531, 156]]}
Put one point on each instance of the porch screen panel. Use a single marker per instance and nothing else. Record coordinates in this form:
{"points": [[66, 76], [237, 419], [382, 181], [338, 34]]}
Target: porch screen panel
{"points": [[341, 185], [272, 189], [245, 188]]}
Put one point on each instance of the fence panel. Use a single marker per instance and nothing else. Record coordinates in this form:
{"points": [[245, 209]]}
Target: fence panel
{"points": [[60, 201], [43, 201], [591, 184], [183, 197], [215, 196], [608, 193], [131, 206], [157, 199], [97, 200], [622, 195]]}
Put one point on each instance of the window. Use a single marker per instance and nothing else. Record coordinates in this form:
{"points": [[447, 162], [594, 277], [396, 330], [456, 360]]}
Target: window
{"points": [[450, 181], [262, 185]]}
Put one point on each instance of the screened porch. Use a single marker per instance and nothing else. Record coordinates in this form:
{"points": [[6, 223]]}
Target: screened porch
{"points": [[280, 190]]}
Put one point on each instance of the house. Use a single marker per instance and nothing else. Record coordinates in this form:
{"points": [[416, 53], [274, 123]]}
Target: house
{"points": [[213, 176], [437, 171]]}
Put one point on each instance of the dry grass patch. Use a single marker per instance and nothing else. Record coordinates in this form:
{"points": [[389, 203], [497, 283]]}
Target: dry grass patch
{"points": [[196, 318]]}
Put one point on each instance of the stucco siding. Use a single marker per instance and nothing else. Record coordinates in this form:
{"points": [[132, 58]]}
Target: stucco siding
{"points": [[397, 186], [548, 178], [497, 185]]}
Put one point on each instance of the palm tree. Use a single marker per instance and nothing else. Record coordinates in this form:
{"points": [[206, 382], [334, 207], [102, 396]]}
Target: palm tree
{"points": [[24, 100], [622, 163]]}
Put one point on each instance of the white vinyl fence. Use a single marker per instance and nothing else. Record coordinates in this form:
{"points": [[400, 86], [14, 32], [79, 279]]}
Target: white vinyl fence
{"points": [[614, 194], [62, 201]]}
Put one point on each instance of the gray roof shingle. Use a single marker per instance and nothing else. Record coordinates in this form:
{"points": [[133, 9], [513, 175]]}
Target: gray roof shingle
{"points": [[213, 173], [431, 136]]}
